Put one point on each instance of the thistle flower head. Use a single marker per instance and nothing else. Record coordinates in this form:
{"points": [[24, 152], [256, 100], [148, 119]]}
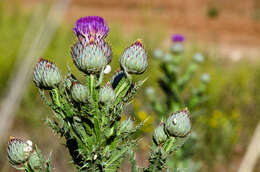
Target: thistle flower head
{"points": [[36, 161], [198, 58], [69, 81], [126, 126], [159, 134], [46, 75], [158, 53], [178, 38], [205, 77], [92, 58], [107, 94], [18, 151], [79, 92], [178, 124], [177, 48], [91, 28], [134, 58]]}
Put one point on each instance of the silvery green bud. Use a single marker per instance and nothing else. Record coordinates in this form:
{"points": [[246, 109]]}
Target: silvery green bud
{"points": [[134, 58], [107, 94], [46, 75], [69, 81], [126, 126], [159, 135], [158, 53], [36, 161], [177, 48], [150, 93], [79, 92], [92, 58], [167, 57], [205, 77], [198, 58], [179, 124], [18, 151]]}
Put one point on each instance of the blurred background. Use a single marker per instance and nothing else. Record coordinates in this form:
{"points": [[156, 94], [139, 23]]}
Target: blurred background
{"points": [[226, 32]]}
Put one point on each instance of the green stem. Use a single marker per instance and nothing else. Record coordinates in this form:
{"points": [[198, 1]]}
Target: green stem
{"points": [[92, 84]]}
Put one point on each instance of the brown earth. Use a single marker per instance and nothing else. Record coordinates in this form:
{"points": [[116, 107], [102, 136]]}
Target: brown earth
{"points": [[235, 31]]}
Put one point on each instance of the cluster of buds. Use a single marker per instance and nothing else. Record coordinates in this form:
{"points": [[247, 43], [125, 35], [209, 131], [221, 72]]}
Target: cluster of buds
{"points": [[178, 125], [22, 155]]}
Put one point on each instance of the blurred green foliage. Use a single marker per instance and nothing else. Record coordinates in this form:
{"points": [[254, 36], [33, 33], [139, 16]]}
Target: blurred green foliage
{"points": [[227, 125]]}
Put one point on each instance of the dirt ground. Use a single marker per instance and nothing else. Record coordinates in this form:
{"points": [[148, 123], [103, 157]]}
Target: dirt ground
{"points": [[235, 30]]}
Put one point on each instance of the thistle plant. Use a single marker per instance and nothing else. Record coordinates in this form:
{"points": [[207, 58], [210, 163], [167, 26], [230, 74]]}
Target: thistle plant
{"points": [[87, 115], [176, 79], [179, 90]]}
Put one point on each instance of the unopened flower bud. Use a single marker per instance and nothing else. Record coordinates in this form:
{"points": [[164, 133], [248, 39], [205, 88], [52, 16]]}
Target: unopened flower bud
{"points": [[126, 126], [167, 57], [92, 58], [107, 94], [179, 124], [159, 135], [36, 161], [177, 48], [46, 75], [198, 58], [205, 77], [79, 93], [18, 151], [70, 79], [91, 28], [158, 53], [134, 58]]}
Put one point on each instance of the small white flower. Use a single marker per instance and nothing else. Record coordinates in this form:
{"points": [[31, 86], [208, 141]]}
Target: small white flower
{"points": [[107, 69], [95, 157], [29, 142], [27, 149]]}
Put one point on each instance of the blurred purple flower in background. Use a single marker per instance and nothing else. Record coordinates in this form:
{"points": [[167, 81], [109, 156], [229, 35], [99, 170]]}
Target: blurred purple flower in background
{"points": [[178, 38], [91, 28]]}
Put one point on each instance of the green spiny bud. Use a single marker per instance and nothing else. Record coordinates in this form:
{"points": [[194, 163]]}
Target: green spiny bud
{"points": [[36, 161], [107, 94], [69, 81], [159, 134], [178, 124], [134, 59], [126, 126], [205, 77], [46, 75], [92, 58], [198, 58], [177, 48], [18, 151], [79, 92]]}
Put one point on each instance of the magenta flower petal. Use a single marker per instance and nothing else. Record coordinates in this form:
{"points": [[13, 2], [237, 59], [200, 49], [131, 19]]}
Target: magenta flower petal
{"points": [[91, 28], [178, 38]]}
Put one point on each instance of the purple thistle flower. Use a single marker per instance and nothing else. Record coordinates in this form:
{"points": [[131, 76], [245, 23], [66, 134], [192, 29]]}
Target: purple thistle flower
{"points": [[178, 38], [91, 28]]}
